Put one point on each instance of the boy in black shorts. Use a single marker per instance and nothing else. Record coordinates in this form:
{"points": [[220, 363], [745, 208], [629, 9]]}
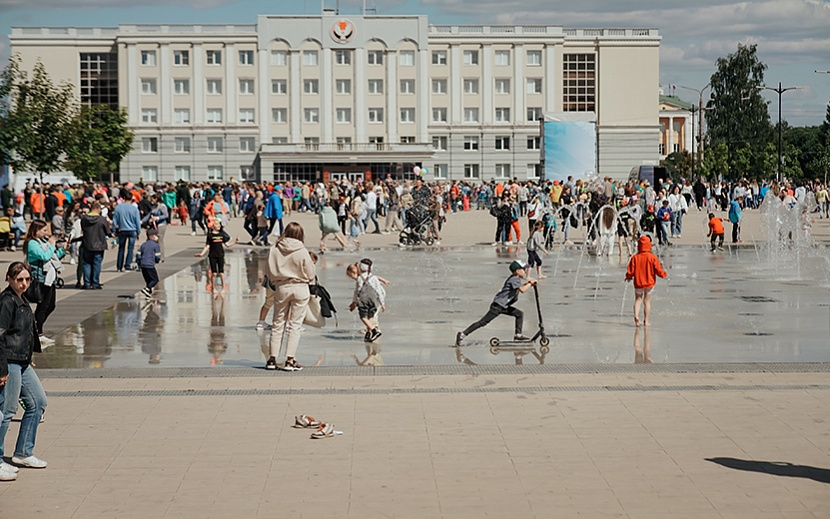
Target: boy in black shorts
{"points": [[216, 241]]}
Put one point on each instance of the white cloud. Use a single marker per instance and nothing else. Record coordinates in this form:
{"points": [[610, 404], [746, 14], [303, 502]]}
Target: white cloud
{"points": [[80, 4]]}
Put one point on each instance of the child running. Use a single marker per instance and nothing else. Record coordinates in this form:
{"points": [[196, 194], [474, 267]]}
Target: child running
{"points": [[715, 232], [217, 240], [642, 267], [503, 303], [369, 296], [148, 255], [535, 244]]}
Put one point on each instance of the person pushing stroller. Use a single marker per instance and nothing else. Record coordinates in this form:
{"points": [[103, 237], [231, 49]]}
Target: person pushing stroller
{"points": [[503, 302]]}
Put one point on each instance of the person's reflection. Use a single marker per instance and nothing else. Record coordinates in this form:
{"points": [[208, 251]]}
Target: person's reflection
{"points": [[373, 357], [97, 337], [252, 274], [217, 345], [460, 357], [151, 336], [642, 350]]}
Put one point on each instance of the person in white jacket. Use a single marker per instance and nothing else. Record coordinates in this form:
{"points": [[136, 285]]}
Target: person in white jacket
{"points": [[679, 207]]}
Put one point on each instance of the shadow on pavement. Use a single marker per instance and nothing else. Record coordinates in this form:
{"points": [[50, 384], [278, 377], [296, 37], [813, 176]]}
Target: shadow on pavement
{"points": [[776, 468]]}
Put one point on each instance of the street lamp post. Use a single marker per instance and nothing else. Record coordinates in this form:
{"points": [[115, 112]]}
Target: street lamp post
{"points": [[779, 91], [699, 122]]}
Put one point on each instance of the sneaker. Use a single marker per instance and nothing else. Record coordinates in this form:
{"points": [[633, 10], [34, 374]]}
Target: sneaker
{"points": [[7, 474], [46, 341], [291, 365], [375, 335], [271, 364], [147, 292], [458, 338], [31, 462], [367, 337], [8, 467], [72, 261], [521, 337], [263, 325], [193, 233]]}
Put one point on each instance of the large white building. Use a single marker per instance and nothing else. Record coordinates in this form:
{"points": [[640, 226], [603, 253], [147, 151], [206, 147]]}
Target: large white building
{"points": [[308, 97]]}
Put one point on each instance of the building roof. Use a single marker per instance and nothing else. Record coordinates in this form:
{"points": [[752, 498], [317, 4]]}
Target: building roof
{"points": [[675, 101]]}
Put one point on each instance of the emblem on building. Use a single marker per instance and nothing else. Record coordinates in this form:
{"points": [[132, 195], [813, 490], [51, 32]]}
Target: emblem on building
{"points": [[342, 31]]}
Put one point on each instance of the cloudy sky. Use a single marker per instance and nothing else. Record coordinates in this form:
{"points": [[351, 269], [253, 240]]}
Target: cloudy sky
{"points": [[793, 36]]}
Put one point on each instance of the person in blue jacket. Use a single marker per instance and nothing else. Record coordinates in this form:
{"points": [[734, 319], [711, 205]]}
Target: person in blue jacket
{"points": [[126, 220], [273, 209], [735, 218]]}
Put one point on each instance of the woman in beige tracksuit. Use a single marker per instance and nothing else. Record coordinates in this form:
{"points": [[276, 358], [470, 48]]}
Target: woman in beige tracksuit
{"points": [[290, 269]]}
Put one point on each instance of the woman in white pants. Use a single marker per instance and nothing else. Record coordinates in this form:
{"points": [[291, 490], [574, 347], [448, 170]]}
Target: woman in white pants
{"points": [[290, 269]]}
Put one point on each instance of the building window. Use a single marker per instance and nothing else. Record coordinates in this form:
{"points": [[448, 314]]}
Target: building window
{"points": [[439, 86], [246, 86], [149, 145], [181, 86], [502, 115], [502, 58], [471, 57], [471, 142], [150, 173], [533, 170], [407, 115], [214, 86], [279, 115], [471, 115], [375, 57], [149, 115], [503, 170], [247, 144], [471, 170], [343, 86], [534, 85], [344, 140], [406, 58], [214, 57], [343, 115], [214, 116], [502, 142], [439, 143], [310, 58], [375, 86], [279, 58], [534, 114], [440, 170], [439, 115], [99, 78], [279, 140], [148, 58], [502, 86], [148, 86], [578, 82], [182, 173], [311, 115], [215, 145], [312, 142], [181, 116], [471, 86], [408, 140], [407, 86], [181, 57], [534, 143], [215, 173], [661, 148], [246, 115], [376, 140], [343, 57], [534, 58], [246, 57], [279, 86], [375, 115], [181, 144], [311, 86], [676, 147], [439, 57]]}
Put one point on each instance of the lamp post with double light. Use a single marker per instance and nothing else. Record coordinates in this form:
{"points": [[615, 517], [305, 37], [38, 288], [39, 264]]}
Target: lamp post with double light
{"points": [[780, 91], [699, 122]]}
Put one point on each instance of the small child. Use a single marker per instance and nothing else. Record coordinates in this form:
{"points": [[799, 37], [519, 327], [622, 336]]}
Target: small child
{"points": [[354, 230], [534, 244], [57, 223], [517, 283], [181, 210], [216, 241], [642, 267], [6, 229], [148, 255], [369, 296], [715, 232]]}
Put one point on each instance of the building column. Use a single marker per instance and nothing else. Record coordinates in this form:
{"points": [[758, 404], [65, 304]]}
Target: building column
{"points": [[294, 93], [360, 95], [456, 86], [487, 83], [520, 88], [230, 85], [263, 87], [165, 84], [133, 105], [326, 100], [424, 97], [391, 96], [198, 86], [669, 147]]}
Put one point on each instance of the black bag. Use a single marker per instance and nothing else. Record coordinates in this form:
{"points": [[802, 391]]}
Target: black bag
{"points": [[574, 221], [34, 294]]}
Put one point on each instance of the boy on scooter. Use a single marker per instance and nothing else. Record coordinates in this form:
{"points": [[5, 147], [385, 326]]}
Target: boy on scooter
{"points": [[503, 303]]}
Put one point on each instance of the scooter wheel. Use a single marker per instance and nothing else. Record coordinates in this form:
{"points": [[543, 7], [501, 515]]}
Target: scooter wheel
{"points": [[494, 342], [544, 342], [404, 239], [428, 241], [545, 350], [494, 350]]}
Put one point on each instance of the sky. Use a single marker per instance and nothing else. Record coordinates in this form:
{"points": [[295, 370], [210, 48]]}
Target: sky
{"points": [[793, 36]]}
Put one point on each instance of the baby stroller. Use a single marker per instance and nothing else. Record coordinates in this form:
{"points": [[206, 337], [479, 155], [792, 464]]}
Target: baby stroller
{"points": [[418, 224]]}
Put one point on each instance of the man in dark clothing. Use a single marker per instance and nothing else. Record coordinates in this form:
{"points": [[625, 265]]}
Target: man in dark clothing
{"points": [[96, 228], [6, 196], [52, 204], [182, 194]]}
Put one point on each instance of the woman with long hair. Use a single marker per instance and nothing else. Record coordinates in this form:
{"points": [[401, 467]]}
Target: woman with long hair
{"points": [[39, 247], [290, 269], [18, 380]]}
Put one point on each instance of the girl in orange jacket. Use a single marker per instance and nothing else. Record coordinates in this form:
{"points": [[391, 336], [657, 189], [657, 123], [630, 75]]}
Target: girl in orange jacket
{"points": [[642, 268]]}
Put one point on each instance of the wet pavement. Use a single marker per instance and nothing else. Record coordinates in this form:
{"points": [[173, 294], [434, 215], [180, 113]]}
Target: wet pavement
{"points": [[739, 305]]}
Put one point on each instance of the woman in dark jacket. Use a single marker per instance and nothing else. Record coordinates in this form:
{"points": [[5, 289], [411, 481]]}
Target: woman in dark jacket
{"points": [[18, 380]]}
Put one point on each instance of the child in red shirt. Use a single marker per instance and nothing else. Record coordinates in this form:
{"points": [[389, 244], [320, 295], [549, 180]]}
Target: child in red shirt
{"points": [[715, 232], [642, 268]]}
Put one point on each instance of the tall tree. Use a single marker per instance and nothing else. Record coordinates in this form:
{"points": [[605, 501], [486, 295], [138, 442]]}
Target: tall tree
{"points": [[738, 116], [679, 164], [100, 140]]}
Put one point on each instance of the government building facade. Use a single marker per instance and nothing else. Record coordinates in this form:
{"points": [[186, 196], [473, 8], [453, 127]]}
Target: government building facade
{"points": [[334, 96]]}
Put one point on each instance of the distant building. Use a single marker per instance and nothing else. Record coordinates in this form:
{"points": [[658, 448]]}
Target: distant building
{"points": [[676, 126], [331, 96]]}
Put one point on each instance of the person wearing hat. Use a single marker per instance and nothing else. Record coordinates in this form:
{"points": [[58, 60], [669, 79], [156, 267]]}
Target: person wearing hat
{"points": [[503, 302], [148, 255]]}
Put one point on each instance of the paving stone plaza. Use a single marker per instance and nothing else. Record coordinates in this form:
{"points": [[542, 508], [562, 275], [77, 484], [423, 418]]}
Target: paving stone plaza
{"points": [[162, 409]]}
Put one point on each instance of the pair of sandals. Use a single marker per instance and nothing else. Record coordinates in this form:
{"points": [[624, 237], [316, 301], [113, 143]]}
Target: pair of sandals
{"points": [[324, 430]]}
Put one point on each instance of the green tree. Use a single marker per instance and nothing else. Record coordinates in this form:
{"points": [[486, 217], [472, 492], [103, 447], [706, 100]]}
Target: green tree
{"points": [[714, 165], [100, 140], [679, 164], [737, 115]]}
